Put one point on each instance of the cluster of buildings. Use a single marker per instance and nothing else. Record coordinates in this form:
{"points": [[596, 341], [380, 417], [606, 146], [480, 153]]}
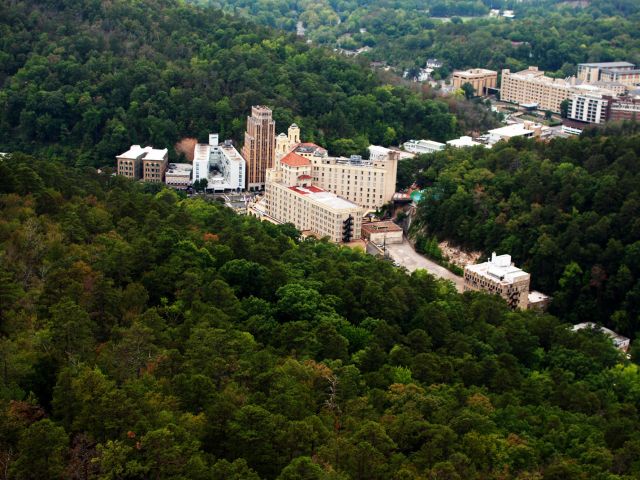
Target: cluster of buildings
{"points": [[322, 195], [599, 93], [527, 129], [219, 164]]}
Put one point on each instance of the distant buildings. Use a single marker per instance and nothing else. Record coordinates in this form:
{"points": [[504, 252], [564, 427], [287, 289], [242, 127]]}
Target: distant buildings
{"points": [[148, 164], [479, 78], [619, 341], [423, 146], [259, 146], [220, 164], [499, 276], [291, 197], [434, 63], [531, 88], [618, 72]]}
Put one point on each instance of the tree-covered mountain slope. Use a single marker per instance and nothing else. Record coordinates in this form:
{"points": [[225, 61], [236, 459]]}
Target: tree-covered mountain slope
{"points": [[148, 336], [83, 80], [568, 211]]}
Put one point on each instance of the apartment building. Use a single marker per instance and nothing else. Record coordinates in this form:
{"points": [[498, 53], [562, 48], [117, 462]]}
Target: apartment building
{"points": [[480, 79], [291, 197], [138, 163], [259, 146], [499, 276], [221, 164]]}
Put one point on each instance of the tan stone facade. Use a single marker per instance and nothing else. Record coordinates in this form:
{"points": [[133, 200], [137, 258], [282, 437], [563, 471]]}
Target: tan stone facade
{"points": [[259, 146], [479, 78]]}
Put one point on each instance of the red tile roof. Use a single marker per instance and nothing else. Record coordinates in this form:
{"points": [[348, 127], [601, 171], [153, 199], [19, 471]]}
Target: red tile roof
{"points": [[306, 190], [304, 177], [294, 160]]}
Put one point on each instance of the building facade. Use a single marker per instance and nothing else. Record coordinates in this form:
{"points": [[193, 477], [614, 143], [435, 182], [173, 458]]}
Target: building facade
{"points": [[259, 146], [480, 79], [500, 277], [291, 197], [147, 164]]}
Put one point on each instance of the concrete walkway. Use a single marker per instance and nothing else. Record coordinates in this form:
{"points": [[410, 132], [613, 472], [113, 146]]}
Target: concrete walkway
{"points": [[405, 255]]}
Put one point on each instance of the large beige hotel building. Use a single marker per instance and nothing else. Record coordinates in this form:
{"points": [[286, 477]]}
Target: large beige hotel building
{"points": [[370, 183], [291, 197], [531, 87]]}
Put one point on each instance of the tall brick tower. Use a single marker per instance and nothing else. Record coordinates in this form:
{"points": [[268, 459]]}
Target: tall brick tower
{"points": [[259, 146]]}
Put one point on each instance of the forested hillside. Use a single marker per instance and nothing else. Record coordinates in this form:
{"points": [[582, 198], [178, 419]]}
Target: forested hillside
{"points": [[83, 80], [553, 34], [145, 336], [568, 212]]}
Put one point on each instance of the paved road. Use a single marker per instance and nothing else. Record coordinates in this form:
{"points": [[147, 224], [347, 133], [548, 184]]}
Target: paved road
{"points": [[406, 256]]}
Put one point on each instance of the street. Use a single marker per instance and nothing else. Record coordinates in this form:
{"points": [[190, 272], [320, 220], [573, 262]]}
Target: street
{"points": [[406, 256]]}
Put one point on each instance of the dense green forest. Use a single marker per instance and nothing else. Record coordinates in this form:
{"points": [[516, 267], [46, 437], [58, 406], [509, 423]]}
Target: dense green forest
{"points": [[146, 336], [83, 80], [552, 34], [568, 211]]}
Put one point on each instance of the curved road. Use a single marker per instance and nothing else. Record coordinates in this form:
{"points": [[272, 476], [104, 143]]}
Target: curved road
{"points": [[405, 255]]}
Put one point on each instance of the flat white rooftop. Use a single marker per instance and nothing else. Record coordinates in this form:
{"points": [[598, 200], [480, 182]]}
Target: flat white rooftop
{"points": [[179, 169], [499, 268], [515, 130], [462, 142], [148, 153], [323, 197]]}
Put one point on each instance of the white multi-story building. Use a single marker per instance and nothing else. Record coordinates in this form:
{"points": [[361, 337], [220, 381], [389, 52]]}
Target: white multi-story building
{"points": [[588, 108], [291, 197], [423, 146], [221, 164]]}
